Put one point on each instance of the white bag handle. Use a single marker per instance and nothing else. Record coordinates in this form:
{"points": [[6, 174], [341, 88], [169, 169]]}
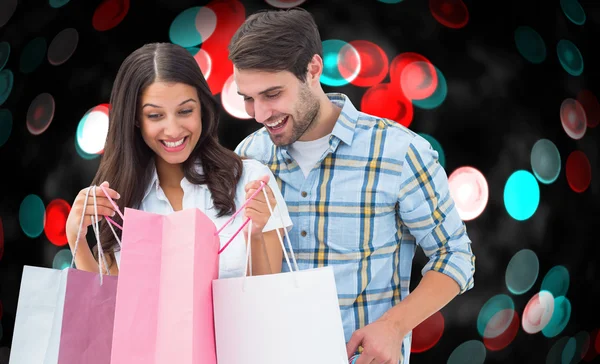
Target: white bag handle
{"points": [[101, 256], [249, 245]]}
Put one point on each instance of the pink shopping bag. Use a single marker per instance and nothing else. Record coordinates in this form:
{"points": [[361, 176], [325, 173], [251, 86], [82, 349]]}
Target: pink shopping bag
{"points": [[65, 316], [164, 307]]}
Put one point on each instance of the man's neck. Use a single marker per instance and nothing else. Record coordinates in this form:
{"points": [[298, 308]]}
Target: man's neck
{"points": [[325, 120]]}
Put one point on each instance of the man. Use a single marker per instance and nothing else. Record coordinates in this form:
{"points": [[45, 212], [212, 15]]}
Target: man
{"points": [[362, 191]]}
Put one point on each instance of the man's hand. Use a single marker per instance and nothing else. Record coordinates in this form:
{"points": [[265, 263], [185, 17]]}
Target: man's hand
{"points": [[381, 342]]}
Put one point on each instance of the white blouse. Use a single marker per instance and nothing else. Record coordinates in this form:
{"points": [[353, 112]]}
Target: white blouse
{"points": [[233, 259]]}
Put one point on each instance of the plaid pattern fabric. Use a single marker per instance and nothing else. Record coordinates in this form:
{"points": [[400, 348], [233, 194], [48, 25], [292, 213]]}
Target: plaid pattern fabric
{"points": [[376, 194]]}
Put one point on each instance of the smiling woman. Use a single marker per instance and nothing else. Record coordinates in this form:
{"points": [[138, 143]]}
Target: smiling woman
{"points": [[170, 127], [162, 155]]}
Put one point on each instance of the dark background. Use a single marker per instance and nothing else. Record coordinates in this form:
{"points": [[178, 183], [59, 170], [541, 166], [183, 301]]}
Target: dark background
{"points": [[498, 106]]}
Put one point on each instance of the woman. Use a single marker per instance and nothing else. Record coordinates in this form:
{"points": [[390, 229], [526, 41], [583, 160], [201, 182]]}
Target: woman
{"points": [[162, 155]]}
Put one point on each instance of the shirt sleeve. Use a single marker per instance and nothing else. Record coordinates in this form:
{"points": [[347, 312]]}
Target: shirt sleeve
{"points": [[281, 217], [239, 150], [429, 213]]}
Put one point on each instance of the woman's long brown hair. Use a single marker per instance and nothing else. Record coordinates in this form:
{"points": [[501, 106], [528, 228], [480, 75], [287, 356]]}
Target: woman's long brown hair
{"points": [[126, 160]]}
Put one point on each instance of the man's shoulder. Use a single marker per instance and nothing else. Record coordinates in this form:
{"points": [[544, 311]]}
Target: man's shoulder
{"points": [[257, 145], [396, 137], [367, 122]]}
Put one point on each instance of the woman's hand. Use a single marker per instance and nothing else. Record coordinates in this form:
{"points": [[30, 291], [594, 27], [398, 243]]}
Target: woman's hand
{"points": [[257, 209], [105, 208]]}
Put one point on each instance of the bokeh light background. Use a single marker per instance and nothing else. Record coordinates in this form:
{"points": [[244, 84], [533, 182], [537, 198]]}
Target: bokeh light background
{"points": [[506, 93]]}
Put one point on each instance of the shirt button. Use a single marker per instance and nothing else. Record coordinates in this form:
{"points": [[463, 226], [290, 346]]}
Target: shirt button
{"points": [[304, 194], [288, 161], [303, 233]]}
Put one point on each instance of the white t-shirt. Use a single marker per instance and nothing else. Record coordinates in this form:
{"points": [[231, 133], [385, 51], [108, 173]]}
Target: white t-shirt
{"points": [[233, 259], [306, 154]]}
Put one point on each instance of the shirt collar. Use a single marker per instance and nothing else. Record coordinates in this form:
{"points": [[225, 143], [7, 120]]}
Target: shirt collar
{"points": [[154, 182], [346, 122]]}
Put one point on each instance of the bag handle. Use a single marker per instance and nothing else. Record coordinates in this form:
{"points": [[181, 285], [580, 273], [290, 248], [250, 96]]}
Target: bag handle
{"points": [[111, 221], [116, 209], [96, 228], [249, 245], [101, 256], [262, 185], [261, 188]]}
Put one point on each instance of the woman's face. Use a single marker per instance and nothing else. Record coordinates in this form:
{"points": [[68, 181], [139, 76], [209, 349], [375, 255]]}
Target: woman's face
{"points": [[170, 120]]}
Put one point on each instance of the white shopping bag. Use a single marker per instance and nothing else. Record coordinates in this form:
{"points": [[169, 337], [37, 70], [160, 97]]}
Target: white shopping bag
{"points": [[39, 316], [291, 318]]}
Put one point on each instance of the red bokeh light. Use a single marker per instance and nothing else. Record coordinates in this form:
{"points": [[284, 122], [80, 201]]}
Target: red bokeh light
{"points": [[57, 213], [502, 340], [590, 104], [230, 15], [450, 13], [579, 171], [413, 76], [109, 14], [374, 64], [381, 101], [428, 333]]}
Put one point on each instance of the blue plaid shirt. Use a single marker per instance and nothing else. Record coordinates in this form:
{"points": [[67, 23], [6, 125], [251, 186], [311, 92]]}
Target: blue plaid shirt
{"points": [[376, 194]]}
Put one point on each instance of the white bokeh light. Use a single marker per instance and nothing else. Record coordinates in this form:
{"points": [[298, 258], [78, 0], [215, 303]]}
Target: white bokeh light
{"points": [[233, 102], [284, 4], [538, 312], [469, 189], [349, 62], [206, 22], [92, 131], [204, 62]]}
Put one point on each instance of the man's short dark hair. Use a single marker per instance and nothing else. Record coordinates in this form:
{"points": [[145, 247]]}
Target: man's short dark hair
{"points": [[277, 40]]}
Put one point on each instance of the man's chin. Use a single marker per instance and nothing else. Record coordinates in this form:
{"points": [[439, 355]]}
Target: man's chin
{"points": [[280, 140]]}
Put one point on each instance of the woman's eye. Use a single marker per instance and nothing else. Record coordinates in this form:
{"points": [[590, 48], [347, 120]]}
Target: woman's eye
{"points": [[185, 112], [153, 116]]}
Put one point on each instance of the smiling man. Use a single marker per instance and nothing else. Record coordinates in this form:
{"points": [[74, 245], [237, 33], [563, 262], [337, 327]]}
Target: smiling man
{"points": [[362, 191]]}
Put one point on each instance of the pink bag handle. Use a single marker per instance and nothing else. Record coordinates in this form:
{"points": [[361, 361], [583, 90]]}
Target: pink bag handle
{"points": [[116, 208], [262, 185]]}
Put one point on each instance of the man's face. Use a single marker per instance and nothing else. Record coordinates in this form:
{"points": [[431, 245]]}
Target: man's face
{"points": [[286, 106]]}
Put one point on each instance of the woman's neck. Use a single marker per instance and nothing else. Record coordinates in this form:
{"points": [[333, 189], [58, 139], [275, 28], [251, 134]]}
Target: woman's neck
{"points": [[169, 175]]}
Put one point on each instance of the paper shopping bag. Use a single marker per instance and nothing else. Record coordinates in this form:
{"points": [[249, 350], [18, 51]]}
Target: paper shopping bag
{"points": [[164, 308], [291, 318], [63, 316]]}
